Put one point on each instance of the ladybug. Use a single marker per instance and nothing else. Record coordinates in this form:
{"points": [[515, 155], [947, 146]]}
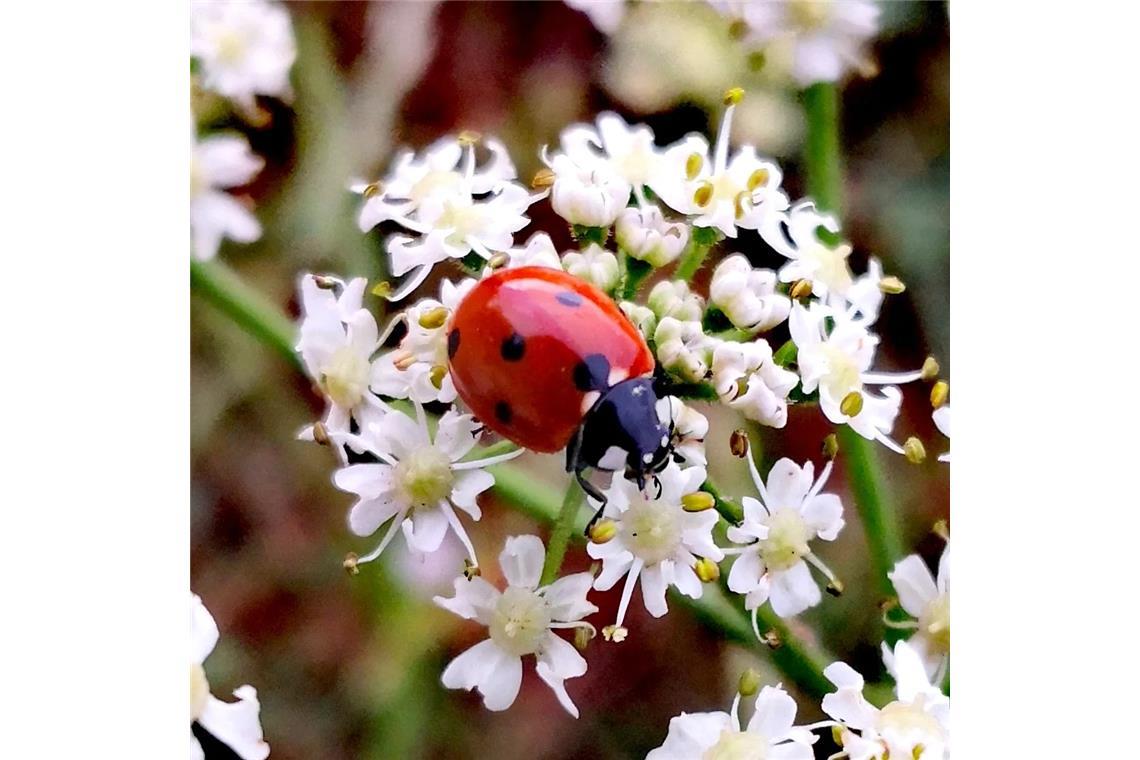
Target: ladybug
{"points": [[549, 361]]}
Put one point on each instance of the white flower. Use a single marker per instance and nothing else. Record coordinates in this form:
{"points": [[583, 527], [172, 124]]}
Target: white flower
{"points": [[689, 430], [722, 193], [916, 724], [627, 155], [454, 212], [748, 296], [656, 540], [838, 361], [825, 265], [605, 15], [435, 173], [595, 265], [941, 418], [928, 601], [827, 36], [244, 48], [591, 195], [673, 298], [337, 338], [746, 379], [771, 733], [644, 234], [776, 531], [539, 251], [418, 369], [684, 349], [235, 724], [217, 163], [642, 317], [521, 621], [418, 481]]}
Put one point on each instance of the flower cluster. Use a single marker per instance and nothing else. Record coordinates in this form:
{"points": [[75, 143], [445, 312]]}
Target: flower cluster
{"points": [[240, 50], [646, 219]]}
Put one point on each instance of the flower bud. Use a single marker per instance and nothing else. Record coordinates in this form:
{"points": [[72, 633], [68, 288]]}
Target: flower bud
{"points": [[603, 531], [930, 368], [749, 682], [914, 451], [939, 393], [707, 570], [698, 501], [830, 446], [738, 443], [852, 404], [434, 317]]}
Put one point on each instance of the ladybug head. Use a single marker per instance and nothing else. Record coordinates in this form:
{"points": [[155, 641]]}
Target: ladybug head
{"points": [[623, 431]]}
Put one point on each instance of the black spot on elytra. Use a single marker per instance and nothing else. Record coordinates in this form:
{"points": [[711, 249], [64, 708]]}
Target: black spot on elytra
{"points": [[592, 373], [503, 412], [569, 298], [513, 347], [452, 342]]}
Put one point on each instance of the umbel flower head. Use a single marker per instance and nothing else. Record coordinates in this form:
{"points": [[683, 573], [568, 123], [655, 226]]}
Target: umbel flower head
{"points": [[915, 725], [244, 48], [770, 734], [218, 163], [235, 724], [776, 531], [418, 481], [336, 344], [655, 539], [521, 620], [928, 601]]}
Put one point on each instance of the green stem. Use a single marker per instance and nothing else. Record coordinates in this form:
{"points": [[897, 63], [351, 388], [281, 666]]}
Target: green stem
{"points": [[249, 309], [823, 167], [701, 241], [560, 534], [634, 273]]}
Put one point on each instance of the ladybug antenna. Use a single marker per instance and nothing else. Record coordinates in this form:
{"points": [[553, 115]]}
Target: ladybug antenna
{"points": [[660, 488]]}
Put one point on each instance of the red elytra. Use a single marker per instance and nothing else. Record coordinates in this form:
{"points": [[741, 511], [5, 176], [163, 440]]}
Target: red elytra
{"points": [[515, 341]]}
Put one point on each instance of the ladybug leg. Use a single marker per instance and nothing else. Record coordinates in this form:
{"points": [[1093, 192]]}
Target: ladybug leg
{"points": [[594, 493]]}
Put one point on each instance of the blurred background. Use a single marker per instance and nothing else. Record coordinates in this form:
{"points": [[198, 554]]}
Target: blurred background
{"points": [[348, 667]]}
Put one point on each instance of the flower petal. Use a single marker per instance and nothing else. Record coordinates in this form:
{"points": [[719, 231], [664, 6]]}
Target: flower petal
{"points": [[203, 630], [521, 560], [425, 529], [557, 661], [495, 673], [914, 584], [774, 713], [237, 724], [566, 598], [794, 590], [653, 589]]}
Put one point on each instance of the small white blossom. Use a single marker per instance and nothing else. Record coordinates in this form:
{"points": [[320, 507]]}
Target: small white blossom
{"points": [[916, 724], [689, 427], [776, 531], [684, 349], [748, 296], [719, 192], [337, 339], [605, 15], [642, 317], [455, 211], [825, 265], [594, 265], [614, 149], [747, 379], [590, 196], [928, 601], [244, 48], [217, 163], [235, 724], [539, 251], [418, 368], [644, 234], [838, 361], [941, 418], [674, 298], [435, 173], [771, 733], [418, 481], [828, 37], [521, 621], [656, 540]]}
